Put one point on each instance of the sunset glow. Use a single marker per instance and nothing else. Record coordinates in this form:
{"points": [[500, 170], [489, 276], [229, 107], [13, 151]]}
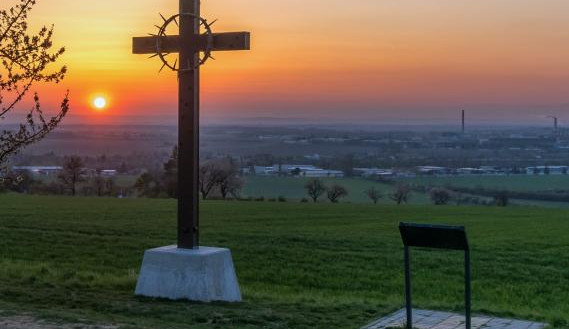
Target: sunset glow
{"points": [[100, 103], [384, 60]]}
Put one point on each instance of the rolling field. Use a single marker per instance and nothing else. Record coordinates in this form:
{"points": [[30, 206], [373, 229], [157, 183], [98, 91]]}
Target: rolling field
{"points": [[293, 188], [514, 182], [299, 265]]}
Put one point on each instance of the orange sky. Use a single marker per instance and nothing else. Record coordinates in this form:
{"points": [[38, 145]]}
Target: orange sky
{"points": [[358, 60]]}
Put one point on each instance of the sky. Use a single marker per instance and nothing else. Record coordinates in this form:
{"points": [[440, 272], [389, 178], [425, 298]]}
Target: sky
{"points": [[358, 61]]}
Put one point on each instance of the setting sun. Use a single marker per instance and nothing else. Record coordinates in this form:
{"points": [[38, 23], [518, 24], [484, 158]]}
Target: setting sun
{"points": [[100, 103]]}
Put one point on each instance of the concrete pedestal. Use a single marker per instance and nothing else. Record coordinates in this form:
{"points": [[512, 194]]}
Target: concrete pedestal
{"points": [[205, 274]]}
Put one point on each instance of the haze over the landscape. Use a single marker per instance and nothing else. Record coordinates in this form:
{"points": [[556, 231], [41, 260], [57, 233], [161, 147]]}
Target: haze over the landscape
{"points": [[393, 61]]}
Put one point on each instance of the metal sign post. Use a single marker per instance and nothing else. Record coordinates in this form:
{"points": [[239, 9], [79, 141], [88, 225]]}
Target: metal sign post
{"points": [[437, 237]]}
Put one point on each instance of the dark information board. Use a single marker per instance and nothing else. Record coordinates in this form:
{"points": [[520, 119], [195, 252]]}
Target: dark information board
{"points": [[436, 237]]}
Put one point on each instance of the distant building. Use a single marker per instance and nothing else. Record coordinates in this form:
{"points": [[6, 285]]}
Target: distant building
{"points": [[38, 170], [314, 156], [296, 170], [291, 168], [433, 170], [296, 141], [371, 172], [321, 173], [263, 171], [108, 173], [547, 170], [484, 170], [469, 171]]}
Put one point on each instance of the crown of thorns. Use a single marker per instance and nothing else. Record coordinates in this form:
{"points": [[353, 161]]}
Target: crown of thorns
{"points": [[208, 33]]}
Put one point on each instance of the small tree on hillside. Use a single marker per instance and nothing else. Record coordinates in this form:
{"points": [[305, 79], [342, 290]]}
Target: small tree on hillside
{"points": [[110, 186], [315, 188], [147, 185], [72, 173], [401, 194], [374, 194], [25, 60], [210, 174], [98, 185], [502, 199], [228, 182], [336, 192], [17, 182], [440, 196], [170, 175]]}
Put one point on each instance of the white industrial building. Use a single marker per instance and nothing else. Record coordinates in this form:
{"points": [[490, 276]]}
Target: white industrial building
{"points": [[547, 170], [371, 172], [38, 170], [321, 173], [296, 170]]}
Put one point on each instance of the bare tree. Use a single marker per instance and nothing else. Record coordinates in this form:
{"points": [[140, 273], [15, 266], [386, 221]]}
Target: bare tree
{"points": [[335, 192], [440, 196], [25, 60], [170, 175], [374, 194], [110, 186], [228, 181], [210, 174], [230, 185], [315, 188], [401, 194], [72, 173], [502, 199], [147, 185], [98, 185]]}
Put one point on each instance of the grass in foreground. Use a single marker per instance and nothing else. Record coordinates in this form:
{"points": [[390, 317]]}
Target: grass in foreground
{"points": [[299, 265]]}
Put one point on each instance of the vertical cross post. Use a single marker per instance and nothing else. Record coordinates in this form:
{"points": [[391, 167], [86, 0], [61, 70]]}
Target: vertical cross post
{"points": [[188, 126], [189, 43]]}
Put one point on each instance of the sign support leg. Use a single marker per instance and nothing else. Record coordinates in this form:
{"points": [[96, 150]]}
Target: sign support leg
{"points": [[408, 301], [467, 288]]}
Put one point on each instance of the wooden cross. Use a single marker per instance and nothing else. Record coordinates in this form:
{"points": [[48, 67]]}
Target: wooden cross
{"points": [[189, 43]]}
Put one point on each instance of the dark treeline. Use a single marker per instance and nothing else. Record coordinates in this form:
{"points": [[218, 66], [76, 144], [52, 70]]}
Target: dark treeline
{"points": [[218, 178], [72, 180]]}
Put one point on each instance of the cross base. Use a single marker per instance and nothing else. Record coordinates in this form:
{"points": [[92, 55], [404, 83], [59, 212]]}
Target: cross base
{"points": [[205, 275]]}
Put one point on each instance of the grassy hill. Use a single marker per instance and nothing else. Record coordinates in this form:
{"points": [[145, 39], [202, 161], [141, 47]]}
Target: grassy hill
{"points": [[299, 265]]}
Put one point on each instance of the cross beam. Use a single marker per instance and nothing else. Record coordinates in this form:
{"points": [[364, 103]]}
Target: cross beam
{"points": [[189, 44], [171, 44]]}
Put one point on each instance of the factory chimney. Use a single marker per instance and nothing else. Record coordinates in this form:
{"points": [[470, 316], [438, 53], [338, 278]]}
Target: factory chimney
{"points": [[463, 122]]}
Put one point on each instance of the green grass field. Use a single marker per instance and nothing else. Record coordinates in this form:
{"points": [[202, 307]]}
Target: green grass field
{"points": [[299, 265], [514, 182], [293, 188]]}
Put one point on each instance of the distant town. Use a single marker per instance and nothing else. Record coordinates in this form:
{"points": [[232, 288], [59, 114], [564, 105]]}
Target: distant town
{"points": [[313, 151], [311, 171]]}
